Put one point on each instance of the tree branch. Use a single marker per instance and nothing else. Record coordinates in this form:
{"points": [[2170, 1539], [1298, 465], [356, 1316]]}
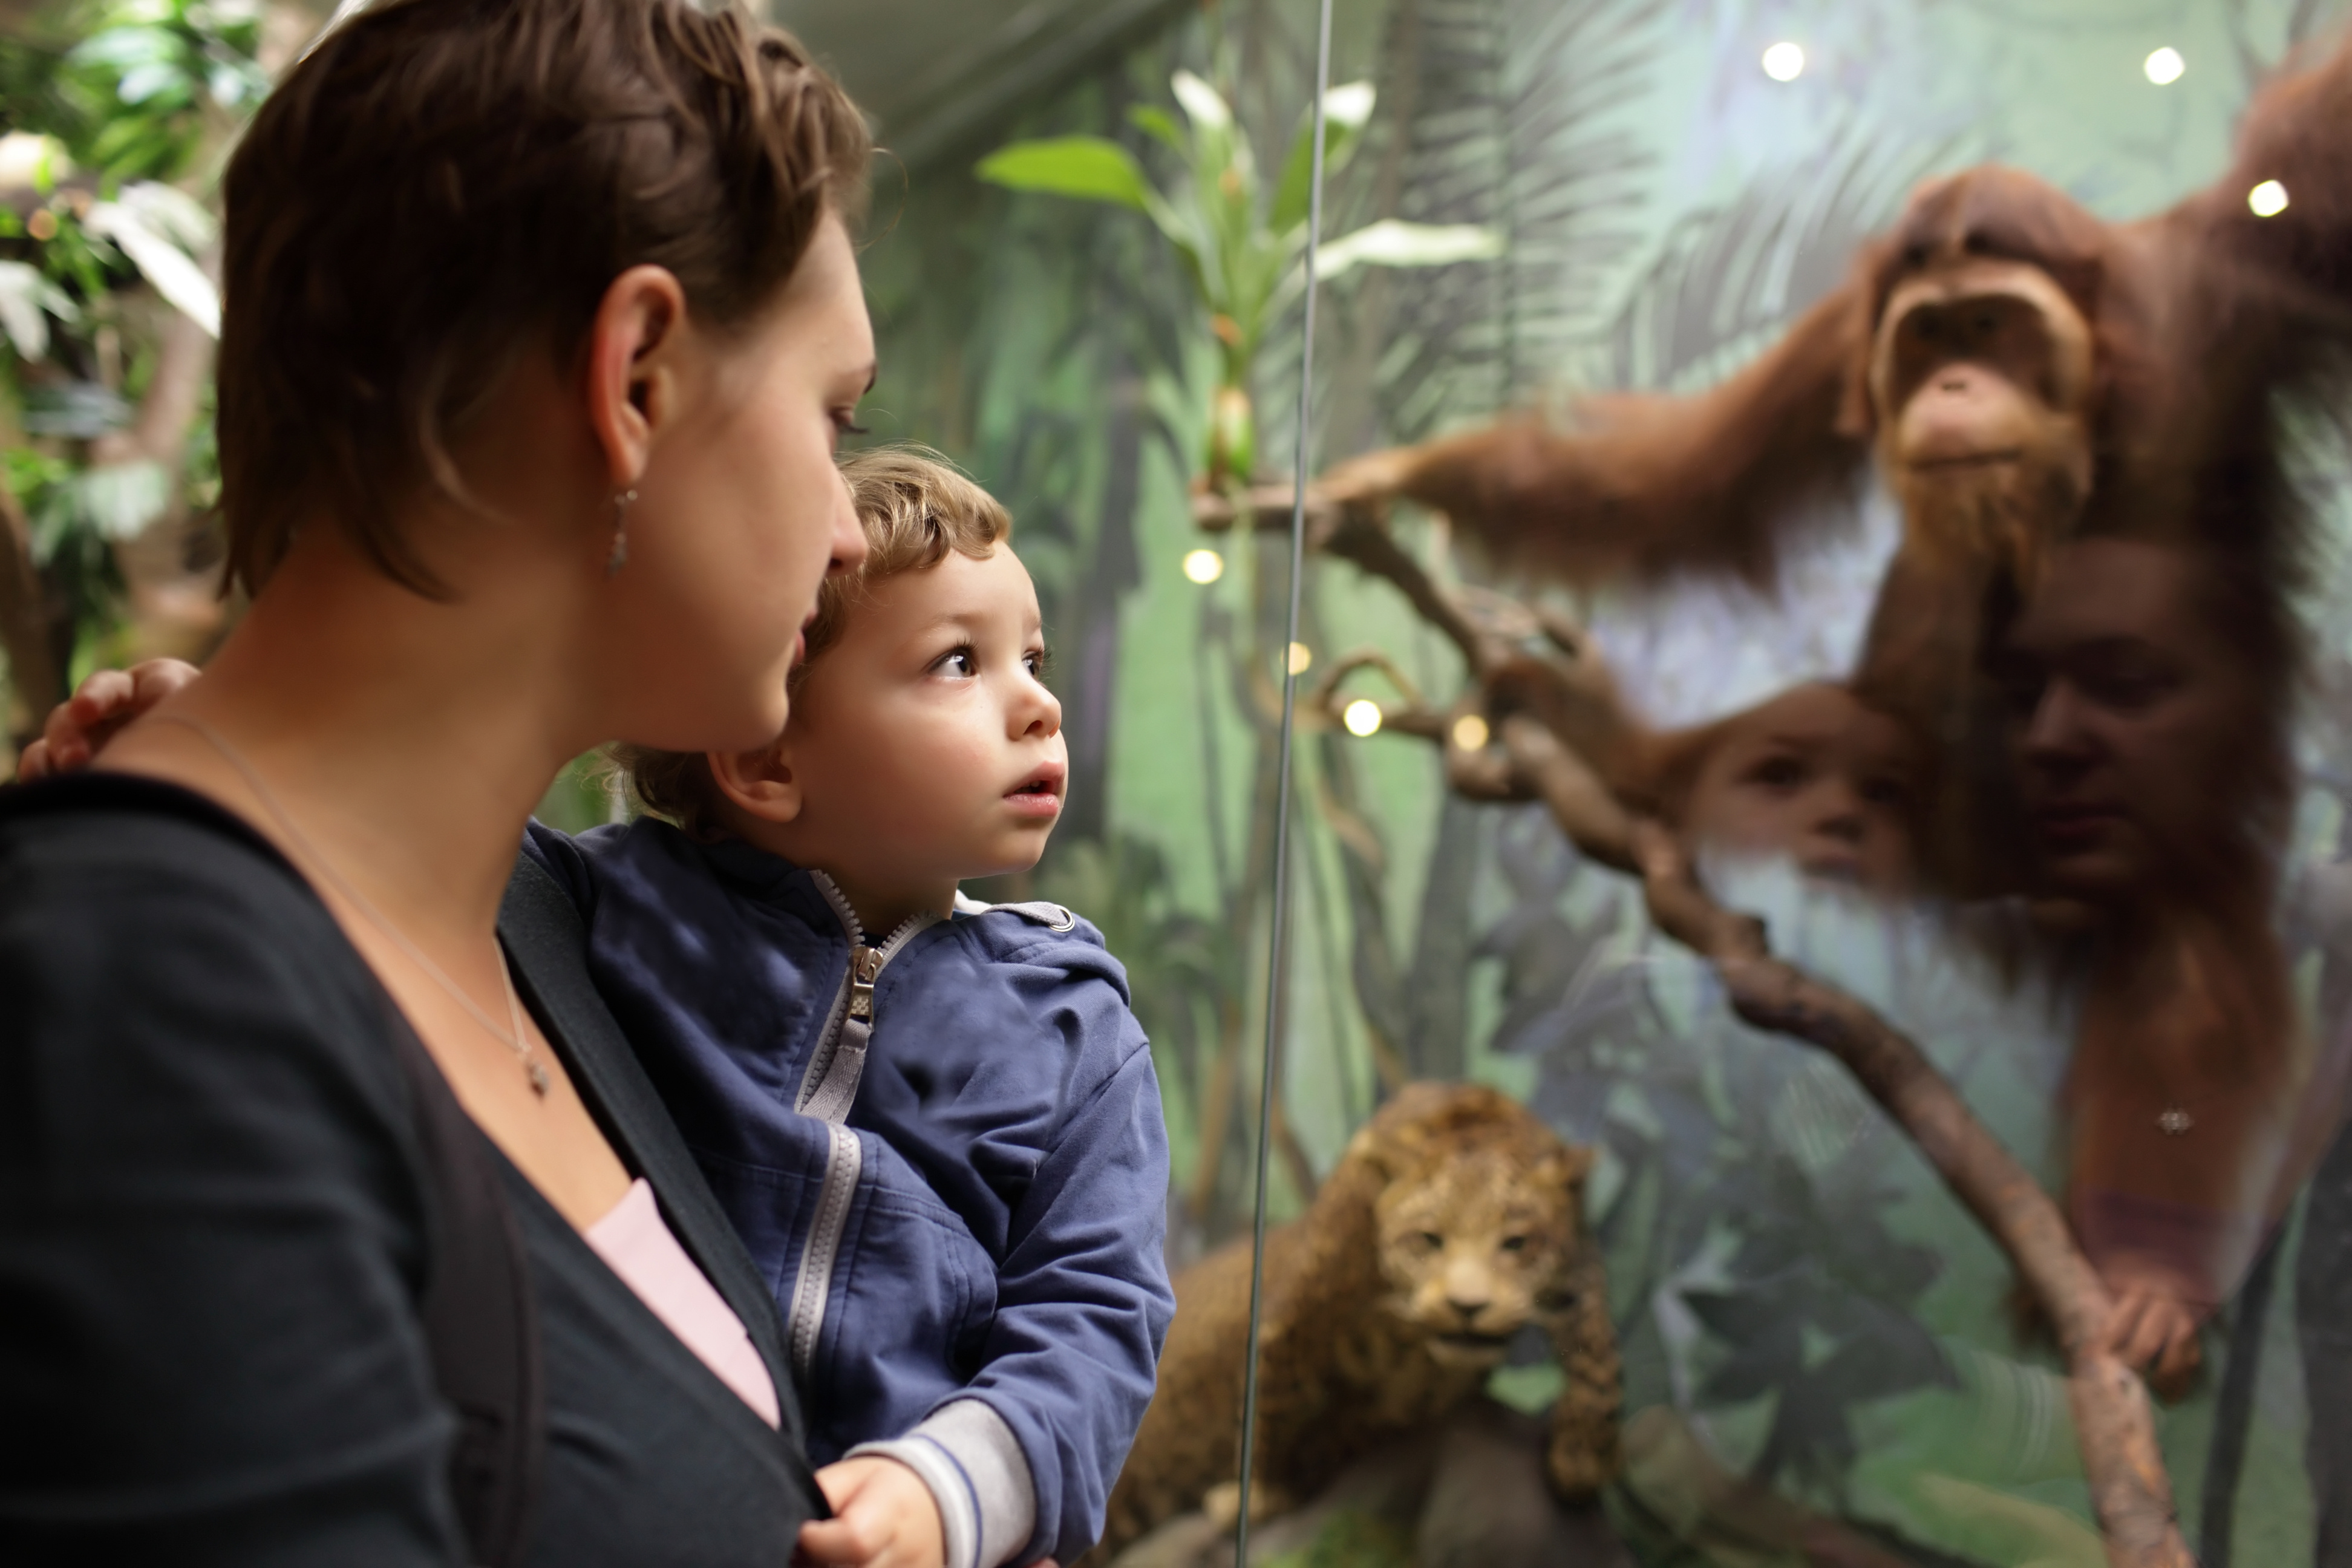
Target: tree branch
{"points": [[1542, 705]]}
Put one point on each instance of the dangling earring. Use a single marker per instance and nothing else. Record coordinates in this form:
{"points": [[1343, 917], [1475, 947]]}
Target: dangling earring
{"points": [[620, 556]]}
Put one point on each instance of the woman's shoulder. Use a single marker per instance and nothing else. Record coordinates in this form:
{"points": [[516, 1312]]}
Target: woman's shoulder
{"points": [[162, 955], [123, 847]]}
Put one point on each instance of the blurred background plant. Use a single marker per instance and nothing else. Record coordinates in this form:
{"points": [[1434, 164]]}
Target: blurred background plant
{"points": [[114, 118], [1243, 246]]}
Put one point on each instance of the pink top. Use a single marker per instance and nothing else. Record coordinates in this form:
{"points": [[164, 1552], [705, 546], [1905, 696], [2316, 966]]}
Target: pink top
{"points": [[636, 1245]]}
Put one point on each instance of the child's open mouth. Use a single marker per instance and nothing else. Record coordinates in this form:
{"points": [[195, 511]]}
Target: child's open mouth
{"points": [[1039, 794]]}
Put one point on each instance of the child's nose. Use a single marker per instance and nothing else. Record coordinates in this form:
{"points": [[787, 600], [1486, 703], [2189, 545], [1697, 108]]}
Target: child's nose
{"points": [[1038, 711]]}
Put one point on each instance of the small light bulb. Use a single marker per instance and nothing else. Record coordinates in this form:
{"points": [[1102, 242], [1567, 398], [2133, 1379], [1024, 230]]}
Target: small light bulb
{"points": [[2164, 66], [1470, 733], [2267, 199], [1301, 656], [1784, 61], [1362, 717], [1203, 566]]}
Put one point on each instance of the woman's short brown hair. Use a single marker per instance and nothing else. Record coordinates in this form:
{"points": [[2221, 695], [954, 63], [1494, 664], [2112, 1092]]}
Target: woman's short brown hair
{"points": [[442, 185], [914, 508]]}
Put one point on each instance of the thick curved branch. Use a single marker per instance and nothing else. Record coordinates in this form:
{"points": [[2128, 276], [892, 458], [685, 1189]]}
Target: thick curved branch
{"points": [[1536, 757]]}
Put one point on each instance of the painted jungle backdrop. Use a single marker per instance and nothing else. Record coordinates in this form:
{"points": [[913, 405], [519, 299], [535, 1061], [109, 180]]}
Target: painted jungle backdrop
{"points": [[1622, 196]]}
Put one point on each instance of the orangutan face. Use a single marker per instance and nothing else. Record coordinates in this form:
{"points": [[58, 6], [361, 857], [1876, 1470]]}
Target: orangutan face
{"points": [[1980, 378], [1816, 776], [2131, 720]]}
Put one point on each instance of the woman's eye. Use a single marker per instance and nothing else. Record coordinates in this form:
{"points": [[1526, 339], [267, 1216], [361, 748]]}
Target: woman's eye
{"points": [[1431, 1240], [1514, 1244], [844, 420]]}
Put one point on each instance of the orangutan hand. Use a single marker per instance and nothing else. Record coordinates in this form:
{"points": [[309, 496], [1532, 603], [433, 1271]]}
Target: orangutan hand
{"points": [[2154, 1331], [883, 1517], [79, 726]]}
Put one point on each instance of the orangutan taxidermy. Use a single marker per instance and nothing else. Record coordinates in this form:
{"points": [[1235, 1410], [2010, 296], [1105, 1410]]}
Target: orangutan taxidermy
{"points": [[1454, 1220], [2018, 370], [2033, 384]]}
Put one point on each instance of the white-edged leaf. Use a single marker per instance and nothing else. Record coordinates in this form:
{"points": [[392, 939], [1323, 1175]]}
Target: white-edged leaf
{"points": [[27, 300], [1350, 105], [1389, 243], [29, 160], [1205, 103], [121, 498], [172, 270], [172, 212]]}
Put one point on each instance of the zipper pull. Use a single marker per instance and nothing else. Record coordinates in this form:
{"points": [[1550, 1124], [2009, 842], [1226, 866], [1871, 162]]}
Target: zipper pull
{"points": [[865, 963]]}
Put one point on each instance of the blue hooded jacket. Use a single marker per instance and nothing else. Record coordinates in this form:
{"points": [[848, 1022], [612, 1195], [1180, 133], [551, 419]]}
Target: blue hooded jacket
{"points": [[944, 1149]]}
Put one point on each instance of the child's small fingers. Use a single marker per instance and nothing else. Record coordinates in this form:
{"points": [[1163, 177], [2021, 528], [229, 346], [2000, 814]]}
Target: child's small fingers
{"points": [[842, 1540], [154, 679], [33, 763], [102, 693]]}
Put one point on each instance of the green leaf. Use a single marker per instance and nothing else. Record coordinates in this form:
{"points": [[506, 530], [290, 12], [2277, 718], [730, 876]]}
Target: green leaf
{"points": [[1161, 126], [1089, 168], [1346, 112], [1389, 243]]}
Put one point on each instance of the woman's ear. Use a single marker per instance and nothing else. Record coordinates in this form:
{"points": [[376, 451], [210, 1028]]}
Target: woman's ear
{"points": [[761, 782], [633, 347]]}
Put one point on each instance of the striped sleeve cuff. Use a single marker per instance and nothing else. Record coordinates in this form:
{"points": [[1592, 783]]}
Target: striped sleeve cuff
{"points": [[977, 1475]]}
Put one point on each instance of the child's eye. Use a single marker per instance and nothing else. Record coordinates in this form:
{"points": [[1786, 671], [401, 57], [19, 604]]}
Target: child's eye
{"points": [[1037, 661], [959, 661], [1781, 773]]}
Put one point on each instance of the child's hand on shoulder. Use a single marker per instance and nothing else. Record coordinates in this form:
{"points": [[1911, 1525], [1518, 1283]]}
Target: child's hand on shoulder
{"points": [[883, 1517]]}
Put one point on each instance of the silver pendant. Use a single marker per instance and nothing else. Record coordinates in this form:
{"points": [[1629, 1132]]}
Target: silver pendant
{"points": [[2175, 1122], [539, 1078]]}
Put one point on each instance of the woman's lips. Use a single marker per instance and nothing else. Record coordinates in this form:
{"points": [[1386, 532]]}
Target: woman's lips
{"points": [[2073, 824]]}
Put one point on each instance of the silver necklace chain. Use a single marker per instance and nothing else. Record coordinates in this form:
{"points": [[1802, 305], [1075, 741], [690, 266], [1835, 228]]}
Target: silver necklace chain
{"points": [[512, 1037]]}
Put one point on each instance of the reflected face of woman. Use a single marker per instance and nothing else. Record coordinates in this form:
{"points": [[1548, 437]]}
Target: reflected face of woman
{"points": [[2128, 714], [741, 515], [1816, 776]]}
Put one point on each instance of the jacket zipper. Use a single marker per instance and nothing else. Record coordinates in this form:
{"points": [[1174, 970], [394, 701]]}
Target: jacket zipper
{"points": [[827, 1090]]}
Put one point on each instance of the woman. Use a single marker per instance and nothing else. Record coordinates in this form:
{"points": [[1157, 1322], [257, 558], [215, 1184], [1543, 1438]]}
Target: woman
{"points": [[542, 319], [2147, 687]]}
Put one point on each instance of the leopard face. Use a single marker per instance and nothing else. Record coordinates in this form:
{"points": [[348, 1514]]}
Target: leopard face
{"points": [[1475, 1249]]}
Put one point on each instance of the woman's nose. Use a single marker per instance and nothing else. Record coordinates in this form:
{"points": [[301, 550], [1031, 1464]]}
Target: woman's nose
{"points": [[2056, 730], [848, 535]]}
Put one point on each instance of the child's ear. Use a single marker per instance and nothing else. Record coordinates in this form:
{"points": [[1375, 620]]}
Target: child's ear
{"points": [[760, 782]]}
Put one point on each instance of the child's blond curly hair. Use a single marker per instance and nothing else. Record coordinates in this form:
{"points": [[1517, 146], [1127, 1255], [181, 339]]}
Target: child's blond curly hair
{"points": [[914, 508]]}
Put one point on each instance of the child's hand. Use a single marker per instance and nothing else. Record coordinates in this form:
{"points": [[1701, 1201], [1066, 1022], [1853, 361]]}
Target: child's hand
{"points": [[79, 726], [883, 1517]]}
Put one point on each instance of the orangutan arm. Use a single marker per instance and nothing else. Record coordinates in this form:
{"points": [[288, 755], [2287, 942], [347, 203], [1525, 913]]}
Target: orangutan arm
{"points": [[1645, 485]]}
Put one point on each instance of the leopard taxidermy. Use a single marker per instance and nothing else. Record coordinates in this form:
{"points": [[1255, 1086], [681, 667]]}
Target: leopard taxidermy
{"points": [[1453, 1221]]}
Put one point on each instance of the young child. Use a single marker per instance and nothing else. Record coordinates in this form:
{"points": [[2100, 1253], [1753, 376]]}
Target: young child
{"points": [[1813, 775], [934, 1122]]}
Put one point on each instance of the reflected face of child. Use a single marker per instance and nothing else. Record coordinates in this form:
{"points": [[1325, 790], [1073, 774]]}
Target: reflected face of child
{"points": [[923, 744], [1816, 776]]}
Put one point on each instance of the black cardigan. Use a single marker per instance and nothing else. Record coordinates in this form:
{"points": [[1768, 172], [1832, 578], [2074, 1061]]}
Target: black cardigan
{"points": [[216, 1227]]}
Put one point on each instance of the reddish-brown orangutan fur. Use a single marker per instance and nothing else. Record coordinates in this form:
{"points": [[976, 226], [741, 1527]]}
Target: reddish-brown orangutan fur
{"points": [[2020, 372]]}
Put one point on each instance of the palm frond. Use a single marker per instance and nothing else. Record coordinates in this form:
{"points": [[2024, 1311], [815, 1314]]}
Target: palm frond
{"points": [[1728, 279]]}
